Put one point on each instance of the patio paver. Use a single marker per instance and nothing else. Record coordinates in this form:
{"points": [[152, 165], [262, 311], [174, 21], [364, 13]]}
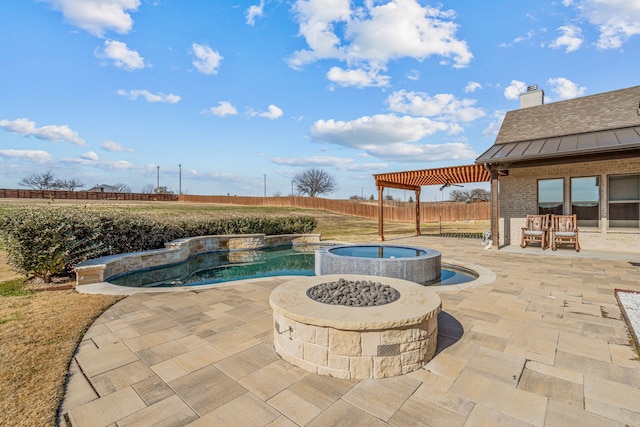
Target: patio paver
{"points": [[543, 345]]}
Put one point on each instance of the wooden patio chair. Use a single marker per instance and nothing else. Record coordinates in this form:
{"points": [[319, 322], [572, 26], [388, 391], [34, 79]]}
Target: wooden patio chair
{"points": [[536, 230], [564, 230]]}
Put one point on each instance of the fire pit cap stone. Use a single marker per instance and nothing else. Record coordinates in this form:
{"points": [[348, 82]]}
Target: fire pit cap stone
{"points": [[416, 304]]}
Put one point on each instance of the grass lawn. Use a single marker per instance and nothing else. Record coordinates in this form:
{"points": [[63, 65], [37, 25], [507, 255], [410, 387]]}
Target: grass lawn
{"points": [[39, 331]]}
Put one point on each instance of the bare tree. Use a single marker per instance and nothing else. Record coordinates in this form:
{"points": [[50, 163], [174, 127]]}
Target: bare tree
{"points": [[148, 189], [68, 184], [314, 182], [122, 188], [475, 195], [39, 181]]}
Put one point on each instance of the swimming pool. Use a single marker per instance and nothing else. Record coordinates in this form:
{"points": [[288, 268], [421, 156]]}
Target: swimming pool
{"points": [[226, 266]]}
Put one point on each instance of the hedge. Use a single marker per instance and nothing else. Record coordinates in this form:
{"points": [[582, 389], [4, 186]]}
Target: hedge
{"points": [[46, 241]]}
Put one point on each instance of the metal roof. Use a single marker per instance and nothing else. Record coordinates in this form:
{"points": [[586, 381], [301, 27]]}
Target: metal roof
{"points": [[412, 180], [561, 147]]}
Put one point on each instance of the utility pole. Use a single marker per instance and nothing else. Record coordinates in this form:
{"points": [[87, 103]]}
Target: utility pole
{"points": [[158, 180], [265, 185], [180, 179]]}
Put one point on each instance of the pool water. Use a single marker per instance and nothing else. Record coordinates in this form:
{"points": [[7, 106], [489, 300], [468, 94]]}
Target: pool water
{"points": [[226, 266], [378, 251]]}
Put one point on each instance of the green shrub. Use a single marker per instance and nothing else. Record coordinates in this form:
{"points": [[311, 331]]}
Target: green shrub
{"points": [[49, 240], [46, 241]]}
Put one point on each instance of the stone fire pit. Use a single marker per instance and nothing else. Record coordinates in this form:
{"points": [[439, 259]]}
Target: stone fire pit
{"points": [[374, 341]]}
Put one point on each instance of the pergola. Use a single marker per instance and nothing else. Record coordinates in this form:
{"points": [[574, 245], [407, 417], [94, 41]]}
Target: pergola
{"points": [[414, 180]]}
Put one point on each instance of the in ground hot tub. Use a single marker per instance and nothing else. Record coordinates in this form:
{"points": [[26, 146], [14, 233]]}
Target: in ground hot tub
{"points": [[402, 262]]}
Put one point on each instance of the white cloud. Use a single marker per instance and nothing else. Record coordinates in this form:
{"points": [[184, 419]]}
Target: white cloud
{"points": [[402, 152], [150, 97], [565, 88], [104, 165], [97, 16], [413, 75], [617, 20], [206, 60], [515, 89], [443, 106], [254, 11], [472, 87], [273, 112], [114, 147], [366, 38], [224, 108], [519, 39], [90, 155], [379, 129], [37, 156], [357, 77], [121, 55], [495, 124], [339, 163], [26, 127], [571, 38]]}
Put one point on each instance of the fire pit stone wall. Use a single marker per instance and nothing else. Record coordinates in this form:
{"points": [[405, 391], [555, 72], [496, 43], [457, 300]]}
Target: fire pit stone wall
{"points": [[355, 342]]}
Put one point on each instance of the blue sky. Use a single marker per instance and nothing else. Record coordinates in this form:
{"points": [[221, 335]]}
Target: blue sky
{"points": [[243, 92]]}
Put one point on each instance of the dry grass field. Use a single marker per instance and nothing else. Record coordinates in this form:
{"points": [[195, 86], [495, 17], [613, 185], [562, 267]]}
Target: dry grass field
{"points": [[39, 331]]}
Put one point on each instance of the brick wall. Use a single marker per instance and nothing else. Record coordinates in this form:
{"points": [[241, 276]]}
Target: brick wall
{"points": [[518, 197]]}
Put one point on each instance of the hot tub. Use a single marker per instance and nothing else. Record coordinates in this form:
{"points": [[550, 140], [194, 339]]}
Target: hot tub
{"points": [[418, 265]]}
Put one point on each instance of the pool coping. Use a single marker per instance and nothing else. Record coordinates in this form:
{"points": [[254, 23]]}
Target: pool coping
{"points": [[485, 277]]}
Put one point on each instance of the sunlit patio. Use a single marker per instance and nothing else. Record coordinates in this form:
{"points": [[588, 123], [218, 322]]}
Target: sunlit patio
{"points": [[545, 344]]}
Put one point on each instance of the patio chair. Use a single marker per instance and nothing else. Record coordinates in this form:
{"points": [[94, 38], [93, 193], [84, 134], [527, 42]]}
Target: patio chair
{"points": [[564, 230], [536, 230]]}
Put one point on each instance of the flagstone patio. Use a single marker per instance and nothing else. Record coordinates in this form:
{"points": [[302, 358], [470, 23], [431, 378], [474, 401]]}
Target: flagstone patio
{"points": [[545, 344]]}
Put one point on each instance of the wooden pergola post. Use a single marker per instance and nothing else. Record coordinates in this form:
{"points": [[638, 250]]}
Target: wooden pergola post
{"points": [[380, 214], [418, 232]]}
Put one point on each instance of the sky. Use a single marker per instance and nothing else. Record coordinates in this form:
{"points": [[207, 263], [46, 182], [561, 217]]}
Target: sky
{"points": [[219, 97]]}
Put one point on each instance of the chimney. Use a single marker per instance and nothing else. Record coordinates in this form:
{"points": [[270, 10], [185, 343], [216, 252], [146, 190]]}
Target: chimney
{"points": [[532, 97]]}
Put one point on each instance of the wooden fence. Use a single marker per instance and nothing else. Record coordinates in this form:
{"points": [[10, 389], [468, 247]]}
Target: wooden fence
{"points": [[83, 195], [393, 211]]}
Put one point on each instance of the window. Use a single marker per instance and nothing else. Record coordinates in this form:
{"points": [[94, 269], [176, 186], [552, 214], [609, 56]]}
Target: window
{"points": [[585, 200], [624, 201], [550, 196]]}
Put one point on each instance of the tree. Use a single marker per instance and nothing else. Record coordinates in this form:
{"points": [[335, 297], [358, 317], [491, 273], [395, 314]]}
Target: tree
{"points": [[475, 195], [68, 184], [148, 189], [314, 182], [39, 181], [122, 188]]}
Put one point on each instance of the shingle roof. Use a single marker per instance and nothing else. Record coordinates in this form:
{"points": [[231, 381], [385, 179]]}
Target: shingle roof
{"points": [[593, 124]]}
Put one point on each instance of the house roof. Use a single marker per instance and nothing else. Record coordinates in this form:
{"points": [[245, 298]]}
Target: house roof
{"points": [[592, 125], [412, 180]]}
